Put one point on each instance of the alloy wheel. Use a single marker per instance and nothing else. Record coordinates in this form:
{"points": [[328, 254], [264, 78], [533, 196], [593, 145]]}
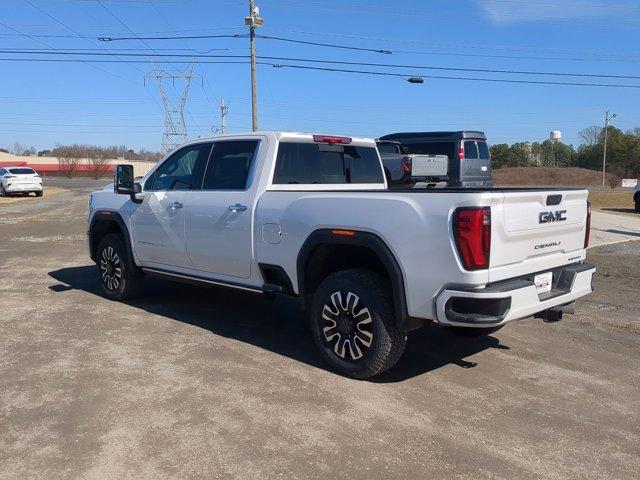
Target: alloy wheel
{"points": [[110, 268], [347, 326]]}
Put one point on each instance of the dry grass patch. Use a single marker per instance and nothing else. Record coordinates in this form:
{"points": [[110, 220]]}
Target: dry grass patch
{"points": [[547, 177], [617, 199], [48, 192]]}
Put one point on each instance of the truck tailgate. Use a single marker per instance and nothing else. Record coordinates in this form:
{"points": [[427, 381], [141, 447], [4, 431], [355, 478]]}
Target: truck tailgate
{"points": [[533, 230]]}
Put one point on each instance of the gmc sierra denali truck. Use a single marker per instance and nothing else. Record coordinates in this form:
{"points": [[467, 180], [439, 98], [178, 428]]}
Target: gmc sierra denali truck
{"points": [[311, 216]]}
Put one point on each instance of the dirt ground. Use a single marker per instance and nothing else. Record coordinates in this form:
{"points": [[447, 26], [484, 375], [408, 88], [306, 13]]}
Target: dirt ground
{"points": [[15, 198], [187, 382]]}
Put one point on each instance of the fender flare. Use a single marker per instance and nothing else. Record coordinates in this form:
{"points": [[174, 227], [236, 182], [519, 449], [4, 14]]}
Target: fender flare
{"points": [[360, 239], [109, 216]]}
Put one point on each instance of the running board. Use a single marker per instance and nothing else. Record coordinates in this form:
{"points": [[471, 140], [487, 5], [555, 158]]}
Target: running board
{"points": [[200, 281]]}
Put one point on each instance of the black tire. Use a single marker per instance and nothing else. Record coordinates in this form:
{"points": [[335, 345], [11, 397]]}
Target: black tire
{"points": [[473, 332], [353, 323], [638, 206], [118, 276], [39, 194], [3, 192]]}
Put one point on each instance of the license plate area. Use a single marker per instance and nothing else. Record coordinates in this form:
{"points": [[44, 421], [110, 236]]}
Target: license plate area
{"points": [[543, 282]]}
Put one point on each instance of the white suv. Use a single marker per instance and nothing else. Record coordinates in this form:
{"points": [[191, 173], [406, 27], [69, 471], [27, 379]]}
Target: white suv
{"points": [[20, 180]]}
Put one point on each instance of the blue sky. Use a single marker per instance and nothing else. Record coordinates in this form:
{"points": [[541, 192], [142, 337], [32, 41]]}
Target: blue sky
{"points": [[44, 103]]}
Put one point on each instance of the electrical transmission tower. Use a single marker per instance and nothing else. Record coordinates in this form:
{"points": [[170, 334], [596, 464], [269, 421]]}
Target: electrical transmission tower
{"points": [[175, 129]]}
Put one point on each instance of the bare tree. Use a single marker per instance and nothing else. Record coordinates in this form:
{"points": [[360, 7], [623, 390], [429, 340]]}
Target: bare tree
{"points": [[69, 159], [615, 176], [591, 135], [18, 148], [99, 164]]}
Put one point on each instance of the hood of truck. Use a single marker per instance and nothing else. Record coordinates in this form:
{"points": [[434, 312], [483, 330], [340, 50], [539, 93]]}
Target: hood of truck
{"points": [[534, 230]]}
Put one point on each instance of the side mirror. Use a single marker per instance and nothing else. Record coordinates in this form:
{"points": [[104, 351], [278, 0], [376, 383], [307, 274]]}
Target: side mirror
{"points": [[123, 180]]}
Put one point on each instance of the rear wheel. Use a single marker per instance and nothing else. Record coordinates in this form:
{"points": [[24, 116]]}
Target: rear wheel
{"points": [[473, 332], [118, 276], [39, 194], [638, 206], [354, 325]]}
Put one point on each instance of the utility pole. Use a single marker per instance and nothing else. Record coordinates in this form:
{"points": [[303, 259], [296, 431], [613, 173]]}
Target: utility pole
{"points": [[223, 117], [252, 21], [607, 119]]}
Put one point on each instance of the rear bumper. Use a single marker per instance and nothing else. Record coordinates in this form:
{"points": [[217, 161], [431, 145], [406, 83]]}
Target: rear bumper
{"points": [[515, 299], [28, 187]]}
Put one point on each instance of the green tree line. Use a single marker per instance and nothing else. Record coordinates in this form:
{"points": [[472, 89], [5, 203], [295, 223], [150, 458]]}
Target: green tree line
{"points": [[623, 152]]}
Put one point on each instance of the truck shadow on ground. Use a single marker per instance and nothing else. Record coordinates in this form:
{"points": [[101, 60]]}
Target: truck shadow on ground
{"points": [[621, 210], [274, 325]]}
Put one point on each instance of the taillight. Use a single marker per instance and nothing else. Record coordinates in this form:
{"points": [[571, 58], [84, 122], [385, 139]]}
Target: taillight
{"points": [[332, 140], [587, 234], [460, 153], [406, 164], [472, 233]]}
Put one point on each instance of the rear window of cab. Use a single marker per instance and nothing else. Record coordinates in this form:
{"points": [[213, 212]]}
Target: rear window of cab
{"points": [[319, 163]]}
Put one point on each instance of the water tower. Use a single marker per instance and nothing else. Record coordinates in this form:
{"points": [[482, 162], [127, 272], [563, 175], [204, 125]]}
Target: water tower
{"points": [[555, 136]]}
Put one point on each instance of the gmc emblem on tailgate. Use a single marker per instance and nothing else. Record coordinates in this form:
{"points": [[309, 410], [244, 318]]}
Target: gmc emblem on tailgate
{"points": [[550, 217]]}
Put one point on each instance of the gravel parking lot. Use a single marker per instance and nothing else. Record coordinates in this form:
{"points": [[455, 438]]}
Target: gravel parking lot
{"points": [[208, 383]]}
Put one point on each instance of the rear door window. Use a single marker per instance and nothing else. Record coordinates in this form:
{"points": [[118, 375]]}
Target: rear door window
{"points": [[470, 150], [314, 163], [484, 150]]}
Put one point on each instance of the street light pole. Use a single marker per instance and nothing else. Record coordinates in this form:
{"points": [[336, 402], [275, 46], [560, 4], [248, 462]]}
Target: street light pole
{"points": [[607, 119], [252, 21]]}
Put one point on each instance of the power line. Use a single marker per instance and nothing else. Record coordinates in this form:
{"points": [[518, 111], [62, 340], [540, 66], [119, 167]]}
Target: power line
{"points": [[443, 77], [340, 70], [335, 62]]}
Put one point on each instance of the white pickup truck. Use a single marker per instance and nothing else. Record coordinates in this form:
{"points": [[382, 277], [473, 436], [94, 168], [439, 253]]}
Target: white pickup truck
{"points": [[311, 216]]}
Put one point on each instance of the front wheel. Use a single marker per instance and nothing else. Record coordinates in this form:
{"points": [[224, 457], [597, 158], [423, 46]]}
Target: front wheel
{"points": [[118, 276], [3, 192], [39, 194], [354, 325], [638, 206]]}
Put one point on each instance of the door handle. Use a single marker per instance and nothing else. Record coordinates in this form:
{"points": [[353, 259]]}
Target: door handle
{"points": [[237, 207], [175, 205]]}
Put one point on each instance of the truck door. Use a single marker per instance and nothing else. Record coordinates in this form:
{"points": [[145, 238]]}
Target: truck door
{"points": [[157, 224], [219, 217]]}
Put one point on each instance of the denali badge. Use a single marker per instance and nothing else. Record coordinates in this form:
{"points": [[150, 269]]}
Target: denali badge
{"points": [[549, 217], [547, 245]]}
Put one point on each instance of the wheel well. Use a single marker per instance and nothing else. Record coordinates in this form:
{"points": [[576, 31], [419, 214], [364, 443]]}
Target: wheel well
{"points": [[327, 251], [327, 258], [99, 229]]}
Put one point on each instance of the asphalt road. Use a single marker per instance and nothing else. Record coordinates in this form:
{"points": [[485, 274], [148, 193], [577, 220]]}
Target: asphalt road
{"points": [[186, 382]]}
